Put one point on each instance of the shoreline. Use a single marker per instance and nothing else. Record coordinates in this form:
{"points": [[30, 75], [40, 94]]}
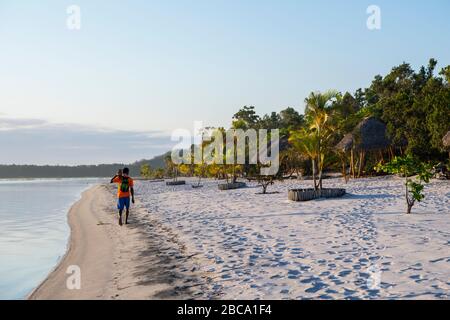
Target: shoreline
{"points": [[185, 243], [141, 260], [54, 285]]}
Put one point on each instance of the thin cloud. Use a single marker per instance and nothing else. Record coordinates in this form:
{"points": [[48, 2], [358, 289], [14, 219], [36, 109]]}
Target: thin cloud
{"points": [[34, 141], [17, 123]]}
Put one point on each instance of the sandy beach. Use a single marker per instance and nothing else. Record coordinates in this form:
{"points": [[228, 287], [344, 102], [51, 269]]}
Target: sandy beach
{"points": [[90, 248], [129, 262], [187, 243]]}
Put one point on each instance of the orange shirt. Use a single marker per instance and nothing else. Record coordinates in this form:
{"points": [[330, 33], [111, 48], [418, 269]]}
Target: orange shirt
{"points": [[123, 189]]}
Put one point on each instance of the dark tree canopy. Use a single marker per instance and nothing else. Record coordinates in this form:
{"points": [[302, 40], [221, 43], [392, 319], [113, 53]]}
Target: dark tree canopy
{"points": [[414, 105]]}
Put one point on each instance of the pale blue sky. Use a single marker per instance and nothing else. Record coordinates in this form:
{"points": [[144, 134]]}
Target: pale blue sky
{"points": [[154, 66]]}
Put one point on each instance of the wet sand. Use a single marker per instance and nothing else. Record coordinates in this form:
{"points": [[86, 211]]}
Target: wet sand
{"points": [[135, 261]]}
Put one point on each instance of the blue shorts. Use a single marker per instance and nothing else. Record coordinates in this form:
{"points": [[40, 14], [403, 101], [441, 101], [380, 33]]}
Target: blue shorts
{"points": [[123, 203]]}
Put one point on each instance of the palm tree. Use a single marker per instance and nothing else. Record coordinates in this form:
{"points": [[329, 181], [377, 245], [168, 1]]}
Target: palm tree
{"points": [[314, 140], [317, 116], [200, 171], [306, 143], [318, 102], [323, 131]]}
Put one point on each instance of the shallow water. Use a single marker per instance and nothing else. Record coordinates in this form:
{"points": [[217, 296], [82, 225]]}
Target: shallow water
{"points": [[33, 230]]}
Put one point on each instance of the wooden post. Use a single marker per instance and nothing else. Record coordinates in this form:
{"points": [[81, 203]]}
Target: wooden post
{"points": [[391, 153], [361, 162], [352, 164], [344, 173]]}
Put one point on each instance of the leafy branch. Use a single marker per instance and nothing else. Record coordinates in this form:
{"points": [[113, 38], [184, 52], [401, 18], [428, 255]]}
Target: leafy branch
{"points": [[408, 166]]}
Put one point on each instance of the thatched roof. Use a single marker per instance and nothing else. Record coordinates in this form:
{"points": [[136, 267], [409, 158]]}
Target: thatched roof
{"points": [[370, 134], [446, 140], [346, 143]]}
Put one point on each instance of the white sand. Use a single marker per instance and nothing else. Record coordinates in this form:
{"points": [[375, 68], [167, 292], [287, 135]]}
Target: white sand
{"points": [[248, 246], [210, 244], [142, 260]]}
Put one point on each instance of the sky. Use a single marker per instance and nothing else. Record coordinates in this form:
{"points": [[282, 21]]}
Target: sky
{"points": [[137, 70]]}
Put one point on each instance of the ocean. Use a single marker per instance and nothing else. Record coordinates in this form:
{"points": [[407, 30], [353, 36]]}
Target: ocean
{"points": [[34, 231]]}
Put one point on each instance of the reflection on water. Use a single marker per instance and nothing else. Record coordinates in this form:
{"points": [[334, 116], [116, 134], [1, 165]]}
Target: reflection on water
{"points": [[34, 230]]}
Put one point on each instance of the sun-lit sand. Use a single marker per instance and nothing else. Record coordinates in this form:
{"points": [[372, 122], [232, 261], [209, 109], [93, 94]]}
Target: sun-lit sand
{"points": [[210, 244], [264, 246]]}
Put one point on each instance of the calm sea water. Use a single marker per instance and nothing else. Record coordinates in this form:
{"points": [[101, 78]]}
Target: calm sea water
{"points": [[34, 231]]}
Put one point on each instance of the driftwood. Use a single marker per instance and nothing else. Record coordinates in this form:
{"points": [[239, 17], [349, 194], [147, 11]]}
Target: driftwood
{"points": [[175, 183], [153, 180], [311, 194], [230, 186]]}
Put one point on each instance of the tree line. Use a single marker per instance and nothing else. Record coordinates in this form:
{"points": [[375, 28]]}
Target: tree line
{"points": [[412, 108], [81, 171]]}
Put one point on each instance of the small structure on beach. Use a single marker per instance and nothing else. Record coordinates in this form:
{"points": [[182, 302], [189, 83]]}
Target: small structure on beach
{"points": [[231, 185], [370, 135], [176, 183], [311, 194], [346, 144]]}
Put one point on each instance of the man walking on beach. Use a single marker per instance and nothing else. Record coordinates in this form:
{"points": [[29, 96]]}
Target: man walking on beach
{"points": [[124, 191]]}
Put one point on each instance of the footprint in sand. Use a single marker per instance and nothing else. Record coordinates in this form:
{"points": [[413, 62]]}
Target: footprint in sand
{"points": [[335, 280], [317, 286], [294, 274], [309, 280], [344, 273], [440, 260], [331, 266], [226, 276], [282, 263]]}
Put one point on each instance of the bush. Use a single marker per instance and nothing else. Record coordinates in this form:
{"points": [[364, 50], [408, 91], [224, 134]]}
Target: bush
{"points": [[407, 167]]}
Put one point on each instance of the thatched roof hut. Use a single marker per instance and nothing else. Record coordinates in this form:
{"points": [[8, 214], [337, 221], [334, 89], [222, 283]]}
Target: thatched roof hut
{"points": [[370, 134], [446, 141], [346, 143]]}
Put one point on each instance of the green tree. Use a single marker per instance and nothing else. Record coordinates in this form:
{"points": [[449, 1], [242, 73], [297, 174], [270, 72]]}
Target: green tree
{"points": [[319, 133], [159, 173], [246, 118], [290, 120], [272, 121], [171, 168], [408, 166], [346, 114], [200, 171], [414, 106], [435, 101], [306, 143], [146, 171]]}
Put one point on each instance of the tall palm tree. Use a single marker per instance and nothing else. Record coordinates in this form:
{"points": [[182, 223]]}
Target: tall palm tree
{"points": [[323, 131], [313, 141], [306, 143], [317, 113]]}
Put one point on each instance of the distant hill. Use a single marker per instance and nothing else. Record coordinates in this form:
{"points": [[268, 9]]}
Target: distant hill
{"points": [[155, 163], [101, 170]]}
